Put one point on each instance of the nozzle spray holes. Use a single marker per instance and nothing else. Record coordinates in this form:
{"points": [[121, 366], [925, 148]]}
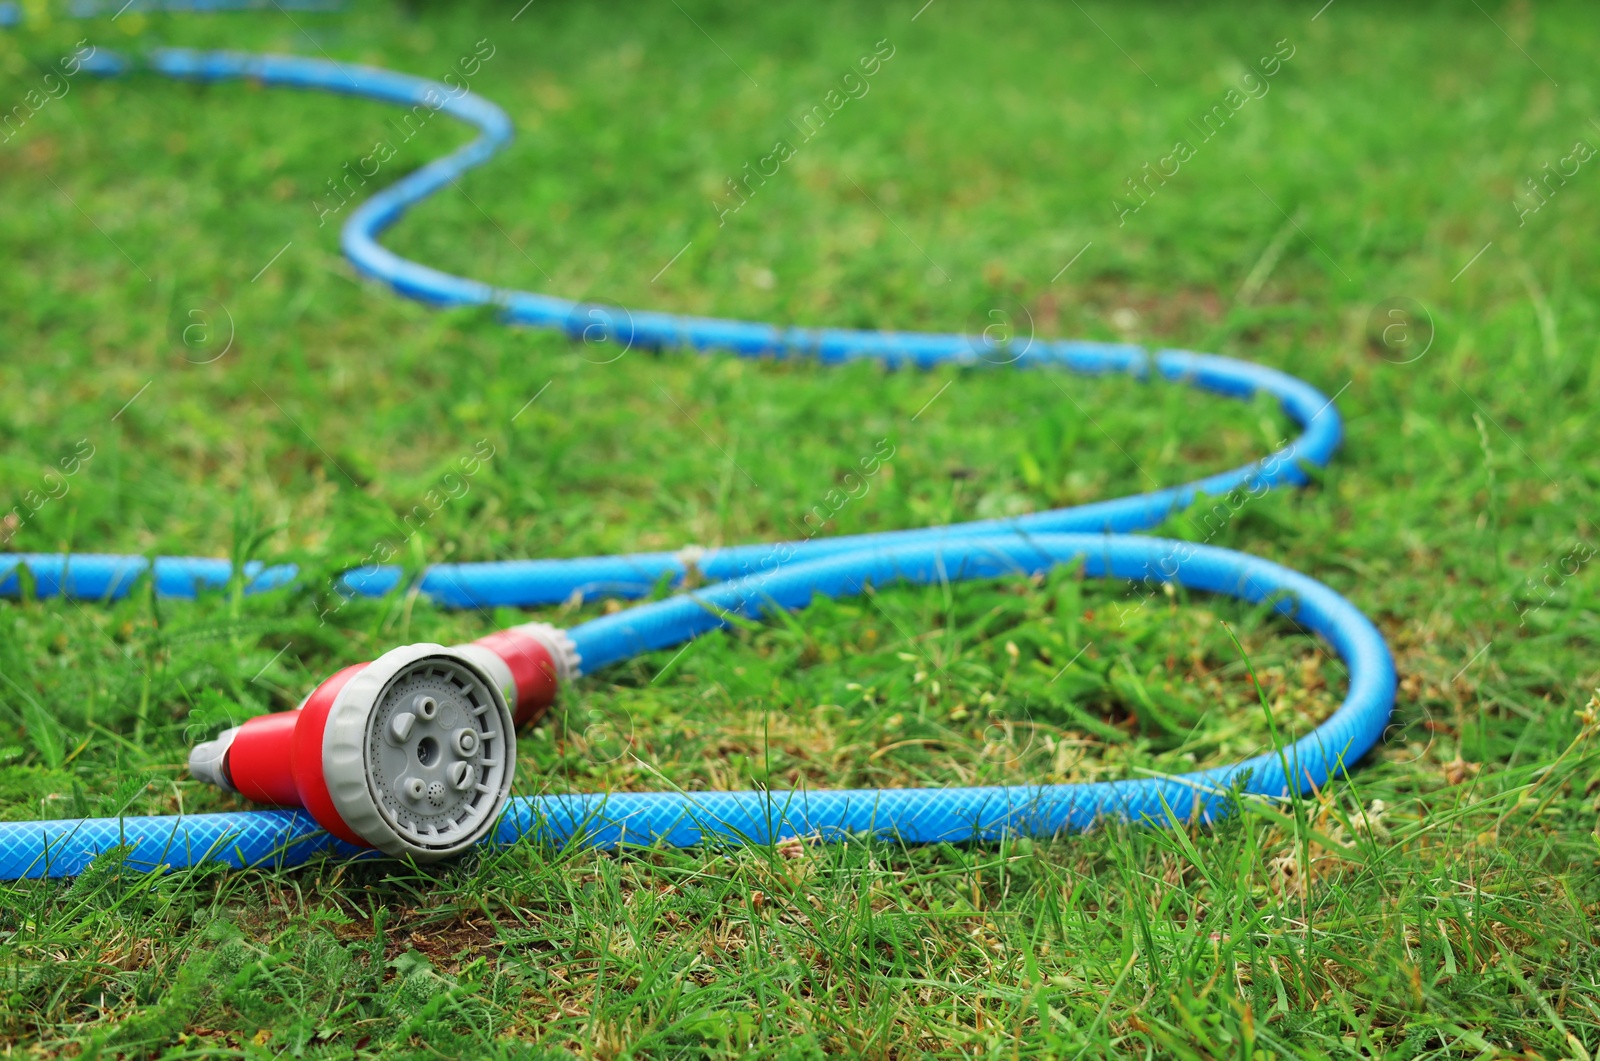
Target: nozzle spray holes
{"points": [[439, 753]]}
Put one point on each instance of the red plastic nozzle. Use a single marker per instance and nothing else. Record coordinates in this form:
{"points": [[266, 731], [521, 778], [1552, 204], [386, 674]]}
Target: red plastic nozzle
{"points": [[278, 759], [412, 753]]}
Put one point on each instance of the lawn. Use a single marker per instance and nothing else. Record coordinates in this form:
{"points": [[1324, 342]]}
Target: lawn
{"points": [[1264, 180]]}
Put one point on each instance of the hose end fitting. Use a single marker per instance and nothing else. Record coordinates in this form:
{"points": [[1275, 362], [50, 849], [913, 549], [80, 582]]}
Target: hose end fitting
{"points": [[208, 760], [537, 658]]}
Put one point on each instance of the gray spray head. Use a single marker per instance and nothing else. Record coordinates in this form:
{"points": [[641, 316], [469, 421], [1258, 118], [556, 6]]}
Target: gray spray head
{"points": [[419, 750]]}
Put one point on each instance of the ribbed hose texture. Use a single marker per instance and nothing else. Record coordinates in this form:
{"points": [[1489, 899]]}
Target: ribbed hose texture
{"points": [[755, 577]]}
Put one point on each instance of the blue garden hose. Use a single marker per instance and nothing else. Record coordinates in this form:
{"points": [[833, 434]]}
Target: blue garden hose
{"points": [[750, 580]]}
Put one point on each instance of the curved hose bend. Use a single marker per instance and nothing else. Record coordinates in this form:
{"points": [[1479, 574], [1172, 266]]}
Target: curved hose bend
{"points": [[756, 576]]}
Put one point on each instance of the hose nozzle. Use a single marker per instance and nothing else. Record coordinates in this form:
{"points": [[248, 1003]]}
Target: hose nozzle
{"points": [[412, 753]]}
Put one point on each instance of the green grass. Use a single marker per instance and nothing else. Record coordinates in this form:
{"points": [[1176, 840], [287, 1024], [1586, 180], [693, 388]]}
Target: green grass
{"points": [[1438, 904]]}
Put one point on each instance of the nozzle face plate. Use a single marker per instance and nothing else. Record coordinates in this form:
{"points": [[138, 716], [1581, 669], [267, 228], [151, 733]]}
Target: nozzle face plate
{"points": [[436, 751]]}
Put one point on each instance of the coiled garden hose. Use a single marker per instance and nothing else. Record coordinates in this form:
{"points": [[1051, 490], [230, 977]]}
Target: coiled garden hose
{"points": [[413, 753]]}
